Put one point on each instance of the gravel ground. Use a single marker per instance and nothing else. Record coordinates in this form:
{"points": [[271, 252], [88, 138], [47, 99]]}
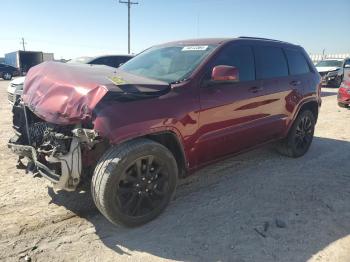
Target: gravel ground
{"points": [[258, 206]]}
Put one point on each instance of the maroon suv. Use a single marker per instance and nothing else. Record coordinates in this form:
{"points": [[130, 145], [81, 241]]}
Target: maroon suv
{"points": [[134, 131]]}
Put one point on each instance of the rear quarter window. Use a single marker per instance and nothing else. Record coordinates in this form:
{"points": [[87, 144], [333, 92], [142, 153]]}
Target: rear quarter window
{"points": [[297, 62], [270, 62]]}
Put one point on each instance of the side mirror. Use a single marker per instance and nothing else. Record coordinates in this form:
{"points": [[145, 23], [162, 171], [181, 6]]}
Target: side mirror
{"points": [[225, 73], [347, 66]]}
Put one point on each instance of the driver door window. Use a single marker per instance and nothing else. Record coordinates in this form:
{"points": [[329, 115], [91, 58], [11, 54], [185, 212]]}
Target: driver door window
{"points": [[240, 57]]}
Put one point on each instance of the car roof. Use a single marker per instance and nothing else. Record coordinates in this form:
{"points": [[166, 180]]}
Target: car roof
{"points": [[128, 55], [219, 41]]}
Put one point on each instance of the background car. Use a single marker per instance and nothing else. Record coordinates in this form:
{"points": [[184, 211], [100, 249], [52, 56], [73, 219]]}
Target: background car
{"points": [[7, 71], [329, 70], [15, 88], [109, 60], [344, 94], [343, 72]]}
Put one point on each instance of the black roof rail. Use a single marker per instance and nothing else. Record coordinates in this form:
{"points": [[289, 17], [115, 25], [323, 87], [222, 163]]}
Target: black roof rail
{"points": [[261, 38]]}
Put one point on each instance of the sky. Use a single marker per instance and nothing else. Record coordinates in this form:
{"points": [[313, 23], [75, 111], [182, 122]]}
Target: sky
{"points": [[72, 28]]}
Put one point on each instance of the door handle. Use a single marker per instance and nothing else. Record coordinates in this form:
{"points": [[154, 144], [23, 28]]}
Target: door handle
{"points": [[295, 83], [255, 89]]}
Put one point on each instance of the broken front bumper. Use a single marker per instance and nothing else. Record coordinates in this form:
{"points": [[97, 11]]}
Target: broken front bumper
{"points": [[70, 165]]}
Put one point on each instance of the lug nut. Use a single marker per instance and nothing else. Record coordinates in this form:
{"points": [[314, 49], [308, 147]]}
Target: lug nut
{"points": [[143, 179], [146, 189], [139, 192], [152, 169], [137, 185], [149, 181]]}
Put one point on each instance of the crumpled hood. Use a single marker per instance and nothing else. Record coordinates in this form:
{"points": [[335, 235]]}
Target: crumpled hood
{"points": [[68, 93]]}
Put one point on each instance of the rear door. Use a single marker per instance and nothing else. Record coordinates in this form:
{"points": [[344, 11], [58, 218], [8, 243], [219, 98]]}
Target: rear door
{"points": [[272, 70], [299, 80]]}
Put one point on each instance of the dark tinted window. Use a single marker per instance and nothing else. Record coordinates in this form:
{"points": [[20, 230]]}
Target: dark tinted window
{"points": [[241, 57], [297, 62], [270, 62], [99, 61], [124, 59], [113, 61], [347, 63], [118, 60]]}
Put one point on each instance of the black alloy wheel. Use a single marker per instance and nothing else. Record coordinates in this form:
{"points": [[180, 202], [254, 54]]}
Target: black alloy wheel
{"points": [[134, 182], [300, 135], [304, 133], [142, 186]]}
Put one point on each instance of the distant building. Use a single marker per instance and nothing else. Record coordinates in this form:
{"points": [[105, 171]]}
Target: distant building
{"points": [[2, 60]]}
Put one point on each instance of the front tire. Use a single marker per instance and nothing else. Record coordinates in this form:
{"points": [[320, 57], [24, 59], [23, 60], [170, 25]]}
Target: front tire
{"points": [[300, 136], [338, 81], [134, 182], [342, 105]]}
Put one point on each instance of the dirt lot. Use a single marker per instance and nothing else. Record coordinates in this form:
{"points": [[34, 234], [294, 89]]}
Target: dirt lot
{"points": [[259, 206]]}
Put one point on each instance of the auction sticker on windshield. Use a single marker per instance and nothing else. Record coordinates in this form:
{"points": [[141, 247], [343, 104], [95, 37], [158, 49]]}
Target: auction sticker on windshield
{"points": [[195, 48]]}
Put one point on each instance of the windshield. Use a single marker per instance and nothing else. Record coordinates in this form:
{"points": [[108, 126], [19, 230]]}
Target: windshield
{"points": [[168, 63], [80, 60], [329, 63]]}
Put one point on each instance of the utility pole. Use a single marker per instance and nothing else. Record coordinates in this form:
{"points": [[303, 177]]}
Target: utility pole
{"points": [[23, 44], [129, 3]]}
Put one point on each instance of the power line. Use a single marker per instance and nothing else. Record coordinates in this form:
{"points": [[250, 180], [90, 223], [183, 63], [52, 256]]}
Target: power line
{"points": [[129, 3]]}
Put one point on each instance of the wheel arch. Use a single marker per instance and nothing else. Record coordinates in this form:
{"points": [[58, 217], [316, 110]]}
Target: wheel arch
{"points": [[310, 104], [172, 141]]}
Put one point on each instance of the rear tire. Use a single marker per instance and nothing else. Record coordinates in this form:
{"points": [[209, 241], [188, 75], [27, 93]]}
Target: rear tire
{"points": [[134, 182], [300, 136], [7, 76]]}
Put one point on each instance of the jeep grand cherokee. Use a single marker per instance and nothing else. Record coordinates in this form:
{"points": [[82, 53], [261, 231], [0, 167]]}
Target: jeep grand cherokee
{"points": [[134, 131]]}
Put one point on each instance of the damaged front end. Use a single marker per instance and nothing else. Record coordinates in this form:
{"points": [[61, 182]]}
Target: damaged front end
{"points": [[54, 120], [53, 151]]}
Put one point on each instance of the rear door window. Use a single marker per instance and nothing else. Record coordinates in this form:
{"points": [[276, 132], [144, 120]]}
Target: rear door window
{"points": [[240, 57], [297, 62], [270, 62]]}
